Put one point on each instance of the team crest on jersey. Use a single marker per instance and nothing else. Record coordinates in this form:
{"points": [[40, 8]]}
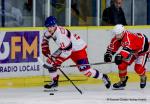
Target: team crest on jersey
{"points": [[125, 43]]}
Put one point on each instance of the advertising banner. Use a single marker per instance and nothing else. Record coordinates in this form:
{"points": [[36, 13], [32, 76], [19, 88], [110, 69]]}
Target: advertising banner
{"points": [[18, 53]]}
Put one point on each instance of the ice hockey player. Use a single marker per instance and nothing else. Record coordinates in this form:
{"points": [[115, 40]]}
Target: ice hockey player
{"points": [[135, 48], [71, 46]]}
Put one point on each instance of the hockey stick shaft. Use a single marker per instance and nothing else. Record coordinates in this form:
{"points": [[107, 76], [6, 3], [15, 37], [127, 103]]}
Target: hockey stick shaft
{"points": [[98, 63], [70, 81]]}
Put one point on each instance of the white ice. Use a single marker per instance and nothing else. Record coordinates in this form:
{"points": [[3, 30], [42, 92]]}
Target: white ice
{"points": [[92, 94]]}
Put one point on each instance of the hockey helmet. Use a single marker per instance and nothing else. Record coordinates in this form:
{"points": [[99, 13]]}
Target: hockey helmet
{"points": [[118, 30], [50, 21]]}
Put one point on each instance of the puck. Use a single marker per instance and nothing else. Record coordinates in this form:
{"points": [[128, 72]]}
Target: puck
{"points": [[51, 93]]}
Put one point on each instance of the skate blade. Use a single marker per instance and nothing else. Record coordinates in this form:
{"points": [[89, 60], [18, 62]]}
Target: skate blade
{"points": [[121, 88]]}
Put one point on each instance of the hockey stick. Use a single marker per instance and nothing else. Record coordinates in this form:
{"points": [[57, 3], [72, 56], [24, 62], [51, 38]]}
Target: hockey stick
{"points": [[98, 63], [65, 76]]}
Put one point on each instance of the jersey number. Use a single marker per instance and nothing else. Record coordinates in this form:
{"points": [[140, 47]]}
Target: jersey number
{"points": [[62, 45]]}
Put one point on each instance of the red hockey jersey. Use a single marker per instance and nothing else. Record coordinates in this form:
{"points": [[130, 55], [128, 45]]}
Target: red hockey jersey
{"points": [[131, 43]]}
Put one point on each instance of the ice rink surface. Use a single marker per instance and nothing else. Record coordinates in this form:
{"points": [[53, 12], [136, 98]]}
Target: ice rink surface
{"points": [[92, 94]]}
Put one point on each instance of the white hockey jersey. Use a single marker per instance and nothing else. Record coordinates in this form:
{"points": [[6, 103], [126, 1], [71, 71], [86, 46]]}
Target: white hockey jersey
{"points": [[65, 40]]}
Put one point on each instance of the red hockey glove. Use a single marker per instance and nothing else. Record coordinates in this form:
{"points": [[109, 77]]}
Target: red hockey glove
{"points": [[58, 61], [49, 60], [45, 48], [52, 64], [53, 61]]}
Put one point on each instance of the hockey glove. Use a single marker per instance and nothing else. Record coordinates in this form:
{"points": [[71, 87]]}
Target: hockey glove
{"points": [[55, 62], [58, 61], [107, 57], [45, 48], [118, 59], [51, 60]]}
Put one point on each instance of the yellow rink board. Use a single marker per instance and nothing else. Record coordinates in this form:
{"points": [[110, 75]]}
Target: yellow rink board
{"points": [[24, 82], [72, 28]]}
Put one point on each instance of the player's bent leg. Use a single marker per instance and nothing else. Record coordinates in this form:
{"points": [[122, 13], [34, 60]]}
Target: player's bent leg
{"points": [[140, 70], [54, 76], [86, 69], [93, 73], [122, 75]]}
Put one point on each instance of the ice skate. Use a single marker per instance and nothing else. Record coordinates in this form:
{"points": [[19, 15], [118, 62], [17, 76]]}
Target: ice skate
{"points": [[121, 84], [106, 81], [143, 81], [53, 84]]}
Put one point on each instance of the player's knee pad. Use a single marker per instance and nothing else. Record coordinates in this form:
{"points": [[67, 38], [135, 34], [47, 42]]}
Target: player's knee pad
{"points": [[123, 66], [81, 63], [91, 73], [139, 69]]}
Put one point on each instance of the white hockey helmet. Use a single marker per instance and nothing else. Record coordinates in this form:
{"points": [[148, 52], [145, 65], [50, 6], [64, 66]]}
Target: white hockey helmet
{"points": [[118, 30]]}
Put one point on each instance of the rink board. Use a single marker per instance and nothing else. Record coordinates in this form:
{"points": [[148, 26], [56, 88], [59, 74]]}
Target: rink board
{"points": [[23, 70]]}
